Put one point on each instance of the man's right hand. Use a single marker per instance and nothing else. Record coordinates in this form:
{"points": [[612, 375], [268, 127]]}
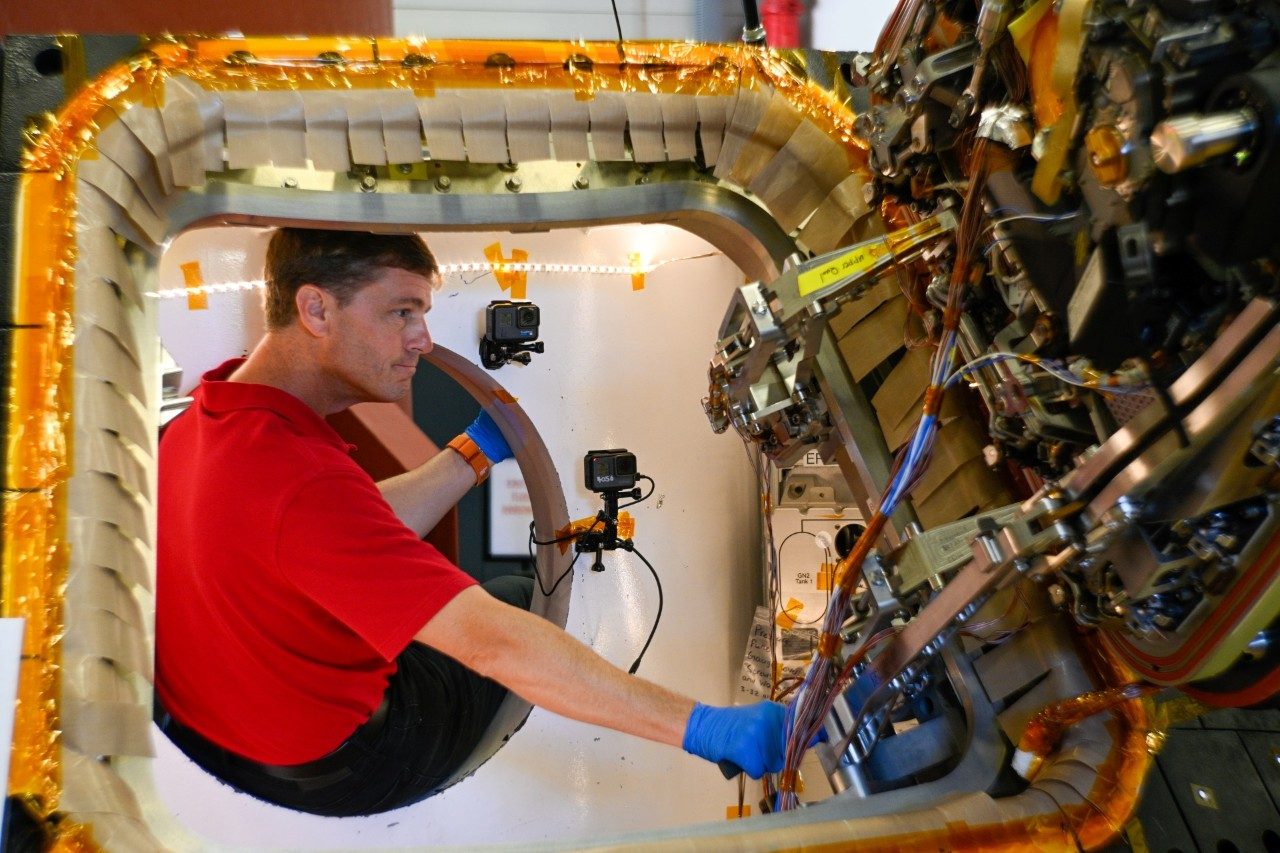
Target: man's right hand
{"points": [[750, 736]]}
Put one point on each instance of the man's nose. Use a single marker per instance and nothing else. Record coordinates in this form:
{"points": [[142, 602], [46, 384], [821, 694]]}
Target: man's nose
{"points": [[420, 338]]}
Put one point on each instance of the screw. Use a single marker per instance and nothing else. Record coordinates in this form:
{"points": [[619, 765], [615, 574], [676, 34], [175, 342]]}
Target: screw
{"points": [[582, 182], [368, 184], [643, 179], [514, 183], [404, 169], [290, 183], [443, 183]]}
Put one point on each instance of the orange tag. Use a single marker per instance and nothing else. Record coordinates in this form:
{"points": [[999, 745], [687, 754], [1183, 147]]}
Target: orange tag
{"points": [[197, 300], [732, 812], [787, 618]]}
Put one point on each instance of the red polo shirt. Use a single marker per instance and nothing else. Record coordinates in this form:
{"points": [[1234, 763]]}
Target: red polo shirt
{"points": [[286, 584]]}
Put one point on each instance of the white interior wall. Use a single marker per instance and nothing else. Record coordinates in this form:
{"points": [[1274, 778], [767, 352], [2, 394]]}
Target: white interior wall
{"points": [[847, 24], [834, 24], [591, 20], [623, 368]]}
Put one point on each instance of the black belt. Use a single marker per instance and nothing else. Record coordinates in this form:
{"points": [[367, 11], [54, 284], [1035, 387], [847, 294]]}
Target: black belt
{"points": [[325, 770]]}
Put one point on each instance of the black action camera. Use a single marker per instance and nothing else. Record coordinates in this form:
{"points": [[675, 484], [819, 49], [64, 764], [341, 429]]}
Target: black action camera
{"points": [[507, 322], [609, 470], [510, 333]]}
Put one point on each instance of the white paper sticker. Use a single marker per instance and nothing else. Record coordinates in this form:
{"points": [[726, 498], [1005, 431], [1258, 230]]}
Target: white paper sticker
{"points": [[10, 658], [756, 681]]}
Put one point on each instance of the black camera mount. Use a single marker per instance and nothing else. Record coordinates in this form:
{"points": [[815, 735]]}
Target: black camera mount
{"points": [[510, 332], [494, 355], [612, 474]]}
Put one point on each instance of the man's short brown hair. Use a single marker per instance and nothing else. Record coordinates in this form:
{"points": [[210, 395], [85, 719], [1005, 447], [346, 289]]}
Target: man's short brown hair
{"points": [[341, 262]]}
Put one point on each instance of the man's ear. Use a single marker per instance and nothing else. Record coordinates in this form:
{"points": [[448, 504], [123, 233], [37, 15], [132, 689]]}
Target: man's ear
{"points": [[314, 309]]}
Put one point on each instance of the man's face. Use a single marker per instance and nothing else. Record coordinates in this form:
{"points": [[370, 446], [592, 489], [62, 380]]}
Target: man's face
{"points": [[377, 336]]}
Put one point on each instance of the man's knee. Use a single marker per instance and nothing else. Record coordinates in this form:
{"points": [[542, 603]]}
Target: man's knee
{"points": [[515, 590]]}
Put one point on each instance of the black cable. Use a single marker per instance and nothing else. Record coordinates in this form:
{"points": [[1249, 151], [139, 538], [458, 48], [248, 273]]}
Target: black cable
{"points": [[537, 574], [618, 22], [752, 32], [635, 666], [652, 486]]}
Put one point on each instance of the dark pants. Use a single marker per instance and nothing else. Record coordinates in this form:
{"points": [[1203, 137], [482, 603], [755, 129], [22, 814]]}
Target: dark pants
{"points": [[437, 710]]}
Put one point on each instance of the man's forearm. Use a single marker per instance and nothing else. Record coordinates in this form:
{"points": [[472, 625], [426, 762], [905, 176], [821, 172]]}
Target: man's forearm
{"points": [[551, 669], [421, 497]]}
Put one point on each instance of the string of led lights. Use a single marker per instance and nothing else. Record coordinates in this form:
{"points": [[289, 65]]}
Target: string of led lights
{"points": [[474, 267]]}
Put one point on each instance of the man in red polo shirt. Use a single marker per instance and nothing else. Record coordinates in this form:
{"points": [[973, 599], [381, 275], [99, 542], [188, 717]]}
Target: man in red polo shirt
{"points": [[310, 648]]}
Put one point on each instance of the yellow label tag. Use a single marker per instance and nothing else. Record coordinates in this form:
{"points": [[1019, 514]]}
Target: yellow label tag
{"points": [[733, 813], [859, 259]]}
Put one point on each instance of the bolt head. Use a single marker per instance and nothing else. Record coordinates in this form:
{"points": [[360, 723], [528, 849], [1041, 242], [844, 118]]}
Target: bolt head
{"points": [[514, 183]]}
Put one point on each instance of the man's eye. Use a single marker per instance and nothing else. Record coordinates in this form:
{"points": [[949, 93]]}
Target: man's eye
{"points": [[404, 313]]}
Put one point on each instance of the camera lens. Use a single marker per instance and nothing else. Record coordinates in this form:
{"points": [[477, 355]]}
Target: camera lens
{"points": [[527, 316]]}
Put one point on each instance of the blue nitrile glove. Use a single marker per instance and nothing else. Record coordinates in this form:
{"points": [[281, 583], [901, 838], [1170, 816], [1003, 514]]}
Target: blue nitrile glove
{"points": [[485, 433], [751, 736]]}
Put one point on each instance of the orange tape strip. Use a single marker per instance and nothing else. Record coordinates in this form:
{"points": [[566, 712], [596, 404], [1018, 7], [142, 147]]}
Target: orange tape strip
{"points": [[514, 281], [787, 618], [637, 275], [192, 278], [626, 529], [826, 576]]}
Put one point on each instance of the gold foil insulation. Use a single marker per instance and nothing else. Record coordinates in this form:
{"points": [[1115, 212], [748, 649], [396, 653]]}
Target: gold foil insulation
{"points": [[77, 558]]}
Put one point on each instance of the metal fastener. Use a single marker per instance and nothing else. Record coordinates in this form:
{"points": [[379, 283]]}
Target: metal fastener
{"points": [[290, 183], [514, 183], [443, 183], [582, 182], [368, 183]]}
